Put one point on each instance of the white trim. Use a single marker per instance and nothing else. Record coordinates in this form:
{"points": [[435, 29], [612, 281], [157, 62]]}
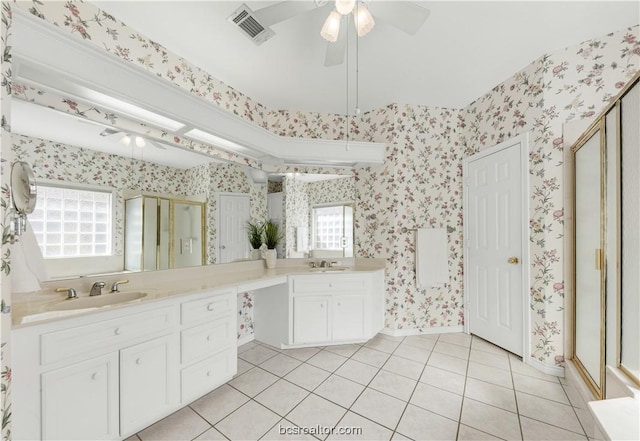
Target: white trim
{"points": [[548, 369], [246, 339], [421, 331], [523, 141], [225, 193]]}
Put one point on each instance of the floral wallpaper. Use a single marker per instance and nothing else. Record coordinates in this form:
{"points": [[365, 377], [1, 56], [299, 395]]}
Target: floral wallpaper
{"points": [[332, 190], [420, 182], [296, 209], [245, 315], [6, 160]]}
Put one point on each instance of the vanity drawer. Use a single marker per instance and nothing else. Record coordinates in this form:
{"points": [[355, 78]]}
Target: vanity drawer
{"points": [[328, 283], [208, 307], [208, 374], [104, 335], [207, 338]]}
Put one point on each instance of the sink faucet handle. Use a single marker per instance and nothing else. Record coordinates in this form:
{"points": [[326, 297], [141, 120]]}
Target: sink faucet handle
{"points": [[116, 285], [313, 264], [71, 293], [333, 262]]}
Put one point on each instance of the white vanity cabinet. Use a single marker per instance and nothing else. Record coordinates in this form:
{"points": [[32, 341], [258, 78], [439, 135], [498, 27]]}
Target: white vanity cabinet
{"points": [[110, 374], [327, 308]]}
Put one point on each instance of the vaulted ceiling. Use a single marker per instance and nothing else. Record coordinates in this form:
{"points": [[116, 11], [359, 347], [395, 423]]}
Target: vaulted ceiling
{"points": [[463, 50]]}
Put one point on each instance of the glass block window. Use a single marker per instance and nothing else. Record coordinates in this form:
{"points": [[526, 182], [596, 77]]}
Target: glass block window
{"points": [[328, 228], [72, 222]]}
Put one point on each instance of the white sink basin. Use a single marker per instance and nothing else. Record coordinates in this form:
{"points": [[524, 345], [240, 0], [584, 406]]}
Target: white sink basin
{"points": [[99, 301], [331, 269]]}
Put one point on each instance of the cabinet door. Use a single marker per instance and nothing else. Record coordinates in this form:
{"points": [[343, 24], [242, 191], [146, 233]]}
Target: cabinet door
{"points": [[148, 382], [311, 319], [349, 314], [80, 402]]}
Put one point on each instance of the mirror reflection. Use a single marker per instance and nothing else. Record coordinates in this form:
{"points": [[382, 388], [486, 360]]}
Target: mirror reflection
{"points": [[84, 226]]}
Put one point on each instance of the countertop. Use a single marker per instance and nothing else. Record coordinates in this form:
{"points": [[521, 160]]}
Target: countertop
{"points": [[40, 306]]}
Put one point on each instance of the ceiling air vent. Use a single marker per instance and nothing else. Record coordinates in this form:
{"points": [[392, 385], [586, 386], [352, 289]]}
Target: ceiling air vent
{"points": [[246, 20]]}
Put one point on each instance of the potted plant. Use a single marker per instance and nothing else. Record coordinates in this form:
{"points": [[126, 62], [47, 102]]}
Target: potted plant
{"points": [[272, 237], [255, 230]]}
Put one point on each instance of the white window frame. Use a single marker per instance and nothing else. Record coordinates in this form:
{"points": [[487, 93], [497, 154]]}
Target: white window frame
{"points": [[313, 220]]}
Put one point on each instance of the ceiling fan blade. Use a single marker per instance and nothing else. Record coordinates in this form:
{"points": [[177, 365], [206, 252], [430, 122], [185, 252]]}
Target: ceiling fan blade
{"points": [[282, 11], [109, 131], [335, 51], [406, 16]]}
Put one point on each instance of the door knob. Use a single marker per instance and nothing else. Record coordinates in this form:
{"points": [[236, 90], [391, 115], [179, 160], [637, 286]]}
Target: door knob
{"points": [[513, 260]]}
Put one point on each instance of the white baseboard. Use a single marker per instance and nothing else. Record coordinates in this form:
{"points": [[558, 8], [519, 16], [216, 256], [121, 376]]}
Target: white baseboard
{"points": [[558, 371], [420, 331], [246, 339]]}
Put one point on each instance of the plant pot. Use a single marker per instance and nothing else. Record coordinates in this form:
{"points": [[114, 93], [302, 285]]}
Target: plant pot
{"points": [[270, 258], [256, 254]]}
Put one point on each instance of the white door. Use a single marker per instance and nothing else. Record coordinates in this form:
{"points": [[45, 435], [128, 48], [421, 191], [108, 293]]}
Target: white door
{"points": [[494, 226], [349, 312], [233, 214]]}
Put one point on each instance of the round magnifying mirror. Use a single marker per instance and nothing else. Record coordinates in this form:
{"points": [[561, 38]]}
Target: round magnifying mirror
{"points": [[23, 187]]}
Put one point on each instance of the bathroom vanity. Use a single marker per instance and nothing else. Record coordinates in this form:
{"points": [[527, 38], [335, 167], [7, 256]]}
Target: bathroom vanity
{"points": [[107, 372]]}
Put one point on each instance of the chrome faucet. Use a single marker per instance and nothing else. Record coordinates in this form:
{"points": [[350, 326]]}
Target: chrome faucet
{"points": [[96, 289], [323, 264], [116, 285]]}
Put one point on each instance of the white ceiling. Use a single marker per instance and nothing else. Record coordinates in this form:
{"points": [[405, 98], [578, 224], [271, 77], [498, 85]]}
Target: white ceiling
{"points": [[463, 50], [41, 122]]}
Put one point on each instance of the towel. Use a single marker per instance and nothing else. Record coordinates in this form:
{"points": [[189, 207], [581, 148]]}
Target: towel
{"points": [[432, 266], [27, 265]]}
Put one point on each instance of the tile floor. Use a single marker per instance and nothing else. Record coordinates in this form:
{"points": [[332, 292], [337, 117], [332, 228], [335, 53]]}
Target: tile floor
{"points": [[428, 387]]}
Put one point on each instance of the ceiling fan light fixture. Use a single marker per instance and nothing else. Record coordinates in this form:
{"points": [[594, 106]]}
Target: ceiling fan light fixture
{"points": [[125, 140], [331, 27], [140, 142], [345, 6], [363, 20]]}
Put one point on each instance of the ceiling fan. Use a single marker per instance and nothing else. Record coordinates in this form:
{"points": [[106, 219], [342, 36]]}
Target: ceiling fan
{"points": [[128, 138], [405, 16]]}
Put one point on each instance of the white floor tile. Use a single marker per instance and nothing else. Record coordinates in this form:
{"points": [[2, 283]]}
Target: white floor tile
{"points": [[574, 396], [250, 422], [368, 430], [402, 366], [448, 363], [397, 338], [500, 361], [211, 435], [327, 360], [307, 376], [280, 365], [452, 350], [371, 357], [258, 354], [419, 342], [185, 424], [383, 344], [457, 338], [437, 401], [518, 367], [466, 433], [287, 431], [302, 354], [551, 412], [400, 437], [344, 350], [447, 380], [412, 353], [490, 374], [359, 372], [541, 388], [314, 411], [218, 404], [243, 366], [245, 347], [379, 407], [482, 345], [253, 381], [536, 430], [281, 397], [420, 424], [339, 390], [489, 419], [491, 394], [393, 384]]}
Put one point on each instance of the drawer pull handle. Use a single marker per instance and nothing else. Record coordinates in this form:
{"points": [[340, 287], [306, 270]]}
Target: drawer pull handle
{"points": [[331, 285], [95, 376], [322, 305], [117, 331], [211, 307], [208, 373], [208, 338], [139, 361]]}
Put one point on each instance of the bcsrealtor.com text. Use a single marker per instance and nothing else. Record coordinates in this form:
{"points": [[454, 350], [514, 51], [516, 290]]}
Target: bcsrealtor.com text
{"points": [[319, 430]]}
